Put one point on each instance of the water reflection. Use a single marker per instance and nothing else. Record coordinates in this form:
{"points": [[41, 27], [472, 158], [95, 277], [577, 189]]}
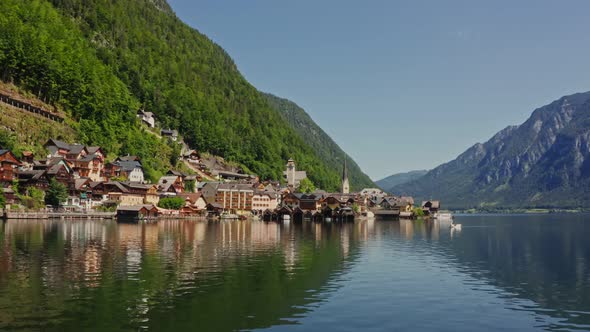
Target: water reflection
{"points": [[513, 272], [174, 274]]}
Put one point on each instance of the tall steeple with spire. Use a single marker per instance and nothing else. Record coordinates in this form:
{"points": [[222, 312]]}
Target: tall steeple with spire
{"points": [[345, 184]]}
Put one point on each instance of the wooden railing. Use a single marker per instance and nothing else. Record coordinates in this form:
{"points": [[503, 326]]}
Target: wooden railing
{"points": [[30, 108]]}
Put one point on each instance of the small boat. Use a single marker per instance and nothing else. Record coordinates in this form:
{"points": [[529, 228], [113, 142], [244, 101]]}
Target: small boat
{"points": [[228, 216], [443, 216], [328, 219], [456, 226], [286, 217]]}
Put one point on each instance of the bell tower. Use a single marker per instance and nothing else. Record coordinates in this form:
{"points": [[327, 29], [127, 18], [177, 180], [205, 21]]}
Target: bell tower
{"points": [[345, 183]]}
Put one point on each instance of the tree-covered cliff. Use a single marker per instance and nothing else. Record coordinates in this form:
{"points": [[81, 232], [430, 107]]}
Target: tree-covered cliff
{"points": [[100, 60]]}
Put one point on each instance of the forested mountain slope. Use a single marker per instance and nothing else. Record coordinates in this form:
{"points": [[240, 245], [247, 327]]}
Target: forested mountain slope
{"points": [[100, 60], [322, 143], [399, 178]]}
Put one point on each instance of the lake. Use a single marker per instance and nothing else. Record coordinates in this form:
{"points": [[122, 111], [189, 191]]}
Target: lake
{"points": [[512, 272]]}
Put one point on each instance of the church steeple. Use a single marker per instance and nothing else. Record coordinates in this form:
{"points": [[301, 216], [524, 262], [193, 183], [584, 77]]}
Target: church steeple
{"points": [[345, 184]]}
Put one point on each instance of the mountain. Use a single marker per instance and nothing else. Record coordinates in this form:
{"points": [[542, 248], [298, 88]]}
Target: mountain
{"points": [[327, 150], [99, 61], [542, 163], [399, 178]]}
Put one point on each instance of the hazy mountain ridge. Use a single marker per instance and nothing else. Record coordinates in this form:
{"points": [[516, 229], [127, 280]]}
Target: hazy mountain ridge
{"points": [[544, 162], [400, 178]]}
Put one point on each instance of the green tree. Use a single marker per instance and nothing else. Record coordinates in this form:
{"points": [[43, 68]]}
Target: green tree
{"points": [[171, 203], [306, 186], [56, 194], [418, 212], [2, 200], [189, 186]]}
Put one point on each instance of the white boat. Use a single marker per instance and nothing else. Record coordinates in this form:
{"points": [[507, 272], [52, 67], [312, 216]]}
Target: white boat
{"points": [[456, 227], [286, 217], [328, 219], [228, 216]]}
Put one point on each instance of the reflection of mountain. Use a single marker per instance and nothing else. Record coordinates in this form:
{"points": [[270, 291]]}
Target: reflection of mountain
{"points": [[545, 263], [169, 276]]}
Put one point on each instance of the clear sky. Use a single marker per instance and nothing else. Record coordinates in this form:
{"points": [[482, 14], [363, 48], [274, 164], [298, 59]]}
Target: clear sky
{"points": [[404, 85]]}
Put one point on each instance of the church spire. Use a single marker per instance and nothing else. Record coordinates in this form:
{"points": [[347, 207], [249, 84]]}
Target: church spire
{"points": [[345, 183]]}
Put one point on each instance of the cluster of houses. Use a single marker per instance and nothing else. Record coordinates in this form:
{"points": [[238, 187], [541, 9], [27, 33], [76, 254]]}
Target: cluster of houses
{"points": [[92, 182]]}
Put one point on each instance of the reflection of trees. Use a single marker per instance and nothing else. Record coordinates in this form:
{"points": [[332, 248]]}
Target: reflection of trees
{"points": [[168, 275]]}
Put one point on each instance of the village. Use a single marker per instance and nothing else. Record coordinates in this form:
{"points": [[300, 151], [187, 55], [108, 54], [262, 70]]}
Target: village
{"points": [[119, 187]]}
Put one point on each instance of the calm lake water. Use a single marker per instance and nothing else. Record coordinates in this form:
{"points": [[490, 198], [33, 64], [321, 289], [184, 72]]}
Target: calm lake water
{"points": [[499, 273]]}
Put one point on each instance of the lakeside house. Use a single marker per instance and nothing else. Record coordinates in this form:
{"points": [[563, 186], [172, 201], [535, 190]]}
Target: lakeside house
{"points": [[135, 213], [170, 185], [266, 199], [90, 184], [430, 207], [128, 170], [235, 197], [87, 161], [8, 166]]}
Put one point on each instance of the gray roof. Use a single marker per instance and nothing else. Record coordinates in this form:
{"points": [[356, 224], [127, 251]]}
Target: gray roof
{"points": [[128, 158], [169, 132], [92, 149], [128, 166], [89, 157], [135, 207]]}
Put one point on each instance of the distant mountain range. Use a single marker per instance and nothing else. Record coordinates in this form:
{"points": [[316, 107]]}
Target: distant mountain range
{"points": [[400, 178], [543, 163]]}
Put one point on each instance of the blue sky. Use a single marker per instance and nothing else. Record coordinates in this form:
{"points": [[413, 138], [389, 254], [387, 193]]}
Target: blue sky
{"points": [[404, 85]]}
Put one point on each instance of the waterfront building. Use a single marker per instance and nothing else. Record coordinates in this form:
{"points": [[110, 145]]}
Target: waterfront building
{"points": [[263, 200], [235, 197], [430, 207]]}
